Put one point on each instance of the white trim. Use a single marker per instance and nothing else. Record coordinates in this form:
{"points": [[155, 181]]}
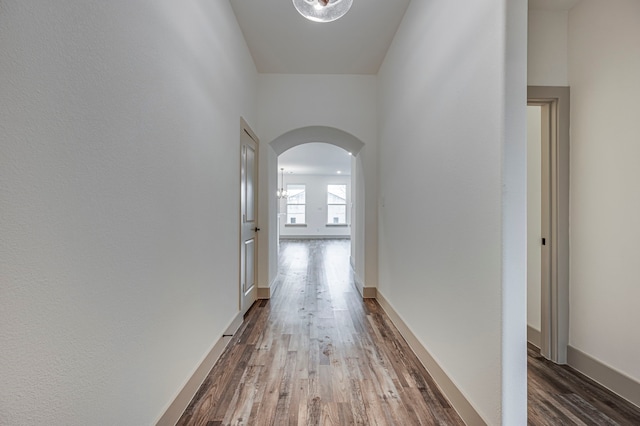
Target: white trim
{"points": [[180, 403], [357, 281], [369, 292], [554, 333], [455, 397], [264, 293], [533, 336], [615, 381], [365, 292]]}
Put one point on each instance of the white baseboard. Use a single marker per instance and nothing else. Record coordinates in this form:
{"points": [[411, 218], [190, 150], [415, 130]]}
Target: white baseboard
{"points": [[365, 292], [457, 400], [266, 293], [533, 336], [180, 403], [369, 292], [616, 382], [358, 282]]}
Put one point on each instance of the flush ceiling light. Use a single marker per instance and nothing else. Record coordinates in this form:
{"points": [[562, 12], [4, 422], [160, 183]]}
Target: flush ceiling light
{"points": [[322, 10]]}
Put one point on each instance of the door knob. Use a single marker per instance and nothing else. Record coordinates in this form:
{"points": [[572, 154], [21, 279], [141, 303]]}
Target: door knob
{"points": [[256, 229]]}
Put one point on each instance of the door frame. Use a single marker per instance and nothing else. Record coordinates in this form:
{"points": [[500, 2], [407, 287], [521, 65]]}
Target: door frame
{"points": [[244, 128], [555, 103]]}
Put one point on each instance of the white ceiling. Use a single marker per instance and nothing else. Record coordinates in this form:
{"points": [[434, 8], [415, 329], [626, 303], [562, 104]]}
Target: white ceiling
{"points": [[315, 159], [282, 41]]}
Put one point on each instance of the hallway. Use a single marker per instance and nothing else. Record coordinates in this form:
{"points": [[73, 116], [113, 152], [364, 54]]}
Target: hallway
{"points": [[316, 353]]}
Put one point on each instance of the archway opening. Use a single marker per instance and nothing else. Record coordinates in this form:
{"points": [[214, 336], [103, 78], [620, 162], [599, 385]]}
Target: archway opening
{"points": [[351, 148]]}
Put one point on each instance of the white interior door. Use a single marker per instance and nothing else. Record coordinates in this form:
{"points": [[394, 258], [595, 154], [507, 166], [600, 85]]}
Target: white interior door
{"points": [[248, 218]]}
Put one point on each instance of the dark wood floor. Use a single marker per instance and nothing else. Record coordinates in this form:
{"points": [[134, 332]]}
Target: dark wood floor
{"points": [[317, 354], [559, 395]]}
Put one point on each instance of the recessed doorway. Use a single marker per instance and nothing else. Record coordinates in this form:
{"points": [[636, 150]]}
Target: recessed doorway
{"points": [[548, 233]]}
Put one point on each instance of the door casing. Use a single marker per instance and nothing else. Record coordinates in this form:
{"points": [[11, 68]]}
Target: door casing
{"points": [[249, 228], [554, 336]]}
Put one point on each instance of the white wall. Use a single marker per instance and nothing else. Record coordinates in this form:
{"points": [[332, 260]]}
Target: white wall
{"points": [[119, 157], [268, 239], [316, 207], [547, 48], [357, 217], [534, 216], [345, 102], [604, 65], [452, 194]]}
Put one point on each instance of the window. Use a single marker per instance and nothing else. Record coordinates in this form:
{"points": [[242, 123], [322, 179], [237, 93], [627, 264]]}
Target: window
{"points": [[296, 204], [337, 204]]}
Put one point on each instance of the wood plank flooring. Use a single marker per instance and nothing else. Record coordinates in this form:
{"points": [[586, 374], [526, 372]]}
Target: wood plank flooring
{"points": [[559, 395], [317, 354]]}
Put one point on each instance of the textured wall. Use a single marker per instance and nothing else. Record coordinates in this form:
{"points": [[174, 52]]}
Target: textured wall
{"points": [[604, 64], [452, 194], [547, 48], [119, 130]]}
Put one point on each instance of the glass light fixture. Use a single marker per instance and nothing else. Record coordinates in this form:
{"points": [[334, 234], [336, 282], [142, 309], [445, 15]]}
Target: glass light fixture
{"points": [[281, 193], [322, 10]]}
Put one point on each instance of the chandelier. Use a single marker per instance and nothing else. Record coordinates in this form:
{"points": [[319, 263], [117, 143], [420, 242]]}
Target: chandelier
{"points": [[322, 10], [281, 193]]}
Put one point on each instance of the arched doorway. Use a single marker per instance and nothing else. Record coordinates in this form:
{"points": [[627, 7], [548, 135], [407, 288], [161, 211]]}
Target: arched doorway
{"points": [[362, 252], [324, 134]]}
